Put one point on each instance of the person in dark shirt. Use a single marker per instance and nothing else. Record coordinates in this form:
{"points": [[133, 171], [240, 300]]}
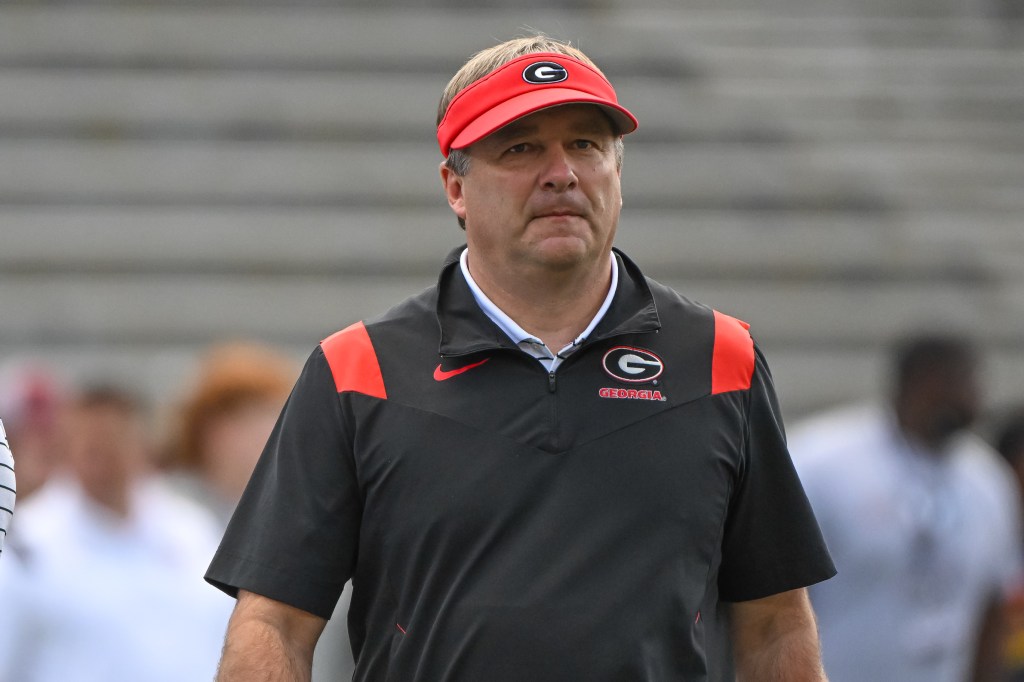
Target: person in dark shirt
{"points": [[548, 467]]}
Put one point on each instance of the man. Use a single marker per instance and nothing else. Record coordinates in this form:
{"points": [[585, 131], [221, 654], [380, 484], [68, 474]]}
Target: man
{"points": [[107, 586], [922, 518], [545, 468]]}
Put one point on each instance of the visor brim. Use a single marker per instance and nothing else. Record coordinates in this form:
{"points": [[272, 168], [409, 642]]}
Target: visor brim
{"points": [[527, 103]]}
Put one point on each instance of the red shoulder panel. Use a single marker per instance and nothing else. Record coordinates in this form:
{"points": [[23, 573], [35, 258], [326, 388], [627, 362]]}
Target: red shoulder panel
{"points": [[353, 361], [732, 364]]}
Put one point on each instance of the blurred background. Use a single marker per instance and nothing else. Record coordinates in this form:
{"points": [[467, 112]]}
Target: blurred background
{"points": [[178, 173]]}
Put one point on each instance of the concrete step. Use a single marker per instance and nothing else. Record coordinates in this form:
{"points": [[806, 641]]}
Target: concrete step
{"points": [[815, 26], [159, 308], [866, 176], [698, 244], [284, 37], [622, 37], [874, 9], [230, 240], [159, 103], [133, 104], [976, 71]]}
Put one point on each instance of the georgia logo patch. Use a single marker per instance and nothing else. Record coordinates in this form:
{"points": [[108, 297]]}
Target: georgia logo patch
{"points": [[632, 365], [542, 73]]}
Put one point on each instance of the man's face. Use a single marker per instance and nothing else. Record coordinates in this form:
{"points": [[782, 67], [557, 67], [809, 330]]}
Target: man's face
{"points": [[543, 193], [106, 447], [232, 442], [955, 400], [941, 402]]}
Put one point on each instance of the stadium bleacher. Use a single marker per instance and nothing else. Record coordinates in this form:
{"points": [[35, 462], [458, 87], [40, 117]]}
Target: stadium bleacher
{"points": [[175, 173]]}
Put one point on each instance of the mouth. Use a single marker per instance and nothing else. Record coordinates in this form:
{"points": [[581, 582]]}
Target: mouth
{"points": [[559, 213]]}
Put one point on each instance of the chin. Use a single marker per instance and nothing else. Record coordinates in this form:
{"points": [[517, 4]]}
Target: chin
{"points": [[562, 252]]}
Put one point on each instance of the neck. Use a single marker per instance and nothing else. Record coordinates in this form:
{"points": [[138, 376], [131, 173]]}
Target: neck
{"points": [[553, 306], [917, 430], [117, 502]]}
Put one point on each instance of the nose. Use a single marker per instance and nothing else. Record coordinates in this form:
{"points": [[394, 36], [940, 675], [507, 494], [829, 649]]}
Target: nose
{"points": [[558, 174]]}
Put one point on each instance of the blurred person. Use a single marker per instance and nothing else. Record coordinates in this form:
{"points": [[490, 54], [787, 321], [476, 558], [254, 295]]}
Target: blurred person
{"points": [[224, 422], [8, 486], [547, 467], [1009, 442], [109, 586], [922, 519], [31, 400]]}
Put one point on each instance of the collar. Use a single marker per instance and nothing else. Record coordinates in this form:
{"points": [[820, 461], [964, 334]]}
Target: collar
{"points": [[466, 328], [512, 328]]}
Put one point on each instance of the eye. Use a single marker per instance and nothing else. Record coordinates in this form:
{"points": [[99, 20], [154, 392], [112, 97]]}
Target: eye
{"points": [[518, 148], [584, 144]]}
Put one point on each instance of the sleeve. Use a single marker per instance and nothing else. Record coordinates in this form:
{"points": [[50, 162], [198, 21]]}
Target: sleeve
{"points": [[771, 542], [7, 486], [294, 535], [20, 630]]}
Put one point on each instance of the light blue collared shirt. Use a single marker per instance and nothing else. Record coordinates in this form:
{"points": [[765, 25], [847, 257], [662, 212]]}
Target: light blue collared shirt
{"points": [[529, 343]]}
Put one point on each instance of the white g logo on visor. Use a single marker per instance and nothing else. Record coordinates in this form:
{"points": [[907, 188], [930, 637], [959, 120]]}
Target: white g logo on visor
{"points": [[541, 73]]}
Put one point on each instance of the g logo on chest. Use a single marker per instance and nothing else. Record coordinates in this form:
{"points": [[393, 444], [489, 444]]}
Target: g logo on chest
{"points": [[632, 365]]}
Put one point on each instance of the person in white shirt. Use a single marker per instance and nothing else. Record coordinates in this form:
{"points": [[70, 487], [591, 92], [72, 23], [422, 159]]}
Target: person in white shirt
{"points": [[921, 518], [108, 583]]}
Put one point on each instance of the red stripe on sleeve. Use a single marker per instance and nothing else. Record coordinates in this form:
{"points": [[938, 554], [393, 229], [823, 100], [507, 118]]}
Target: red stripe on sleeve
{"points": [[732, 364], [353, 361]]}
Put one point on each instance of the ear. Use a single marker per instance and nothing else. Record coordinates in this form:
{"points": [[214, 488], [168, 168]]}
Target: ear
{"points": [[453, 190]]}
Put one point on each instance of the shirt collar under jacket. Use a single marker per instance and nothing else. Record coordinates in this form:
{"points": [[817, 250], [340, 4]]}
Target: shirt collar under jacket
{"points": [[466, 328], [530, 344]]}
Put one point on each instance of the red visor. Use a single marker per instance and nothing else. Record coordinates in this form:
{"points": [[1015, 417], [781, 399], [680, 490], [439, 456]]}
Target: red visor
{"points": [[520, 87]]}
